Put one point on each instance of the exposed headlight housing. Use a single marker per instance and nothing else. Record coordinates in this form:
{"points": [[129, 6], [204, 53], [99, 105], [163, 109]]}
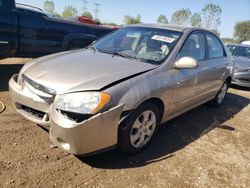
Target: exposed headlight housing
{"points": [[82, 103]]}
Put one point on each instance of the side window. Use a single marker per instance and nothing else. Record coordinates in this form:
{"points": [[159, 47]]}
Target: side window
{"points": [[193, 47], [1, 4], [215, 48], [231, 48]]}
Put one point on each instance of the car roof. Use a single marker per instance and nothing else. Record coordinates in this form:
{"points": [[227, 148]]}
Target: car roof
{"points": [[166, 26], [239, 45], [34, 9]]}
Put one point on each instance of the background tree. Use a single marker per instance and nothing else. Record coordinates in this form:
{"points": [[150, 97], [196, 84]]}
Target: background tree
{"points": [[181, 17], [98, 21], [69, 11], [228, 40], [162, 19], [196, 20], [57, 15], [87, 14], [242, 31], [132, 20], [49, 6], [211, 16]]}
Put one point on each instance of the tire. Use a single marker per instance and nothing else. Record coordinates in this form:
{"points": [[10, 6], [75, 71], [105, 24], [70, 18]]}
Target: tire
{"points": [[2, 107], [219, 98], [135, 132]]}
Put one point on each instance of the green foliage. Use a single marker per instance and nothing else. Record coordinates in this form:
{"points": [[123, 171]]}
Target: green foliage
{"points": [[211, 16], [98, 21], [132, 20], [228, 40], [242, 31], [181, 17], [57, 15], [69, 11], [87, 14], [108, 23], [49, 6], [196, 20], [162, 19]]}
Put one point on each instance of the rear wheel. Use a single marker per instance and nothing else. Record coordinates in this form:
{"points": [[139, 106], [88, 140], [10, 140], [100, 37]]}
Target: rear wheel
{"points": [[218, 100], [139, 128]]}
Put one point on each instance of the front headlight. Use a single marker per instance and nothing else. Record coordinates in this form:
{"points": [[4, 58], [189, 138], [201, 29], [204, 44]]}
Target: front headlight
{"points": [[82, 103]]}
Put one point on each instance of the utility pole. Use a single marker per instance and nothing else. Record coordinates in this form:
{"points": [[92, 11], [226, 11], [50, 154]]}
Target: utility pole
{"points": [[85, 2], [96, 10]]}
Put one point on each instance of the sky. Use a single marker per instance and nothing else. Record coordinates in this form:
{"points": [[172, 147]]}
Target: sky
{"points": [[115, 10]]}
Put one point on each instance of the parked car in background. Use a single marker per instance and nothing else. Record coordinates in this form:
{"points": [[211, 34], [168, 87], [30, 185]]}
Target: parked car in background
{"points": [[117, 91], [27, 31], [246, 42], [241, 55]]}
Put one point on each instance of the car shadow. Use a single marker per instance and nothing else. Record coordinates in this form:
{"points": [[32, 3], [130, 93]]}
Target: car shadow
{"points": [[240, 87], [174, 135], [6, 72]]}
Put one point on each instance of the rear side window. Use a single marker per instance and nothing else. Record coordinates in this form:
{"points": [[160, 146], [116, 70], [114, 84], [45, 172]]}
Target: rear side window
{"points": [[1, 4], [215, 48], [193, 47]]}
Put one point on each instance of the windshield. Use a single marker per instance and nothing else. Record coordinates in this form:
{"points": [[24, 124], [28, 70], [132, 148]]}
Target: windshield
{"points": [[149, 45], [239, 51]]}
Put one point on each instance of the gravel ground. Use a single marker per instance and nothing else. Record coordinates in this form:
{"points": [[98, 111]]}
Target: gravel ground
{"points": [[206, 147]]}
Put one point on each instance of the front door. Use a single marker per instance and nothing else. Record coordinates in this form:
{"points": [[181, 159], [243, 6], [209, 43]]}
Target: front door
{"points": [[187, 93], [8, 30]]}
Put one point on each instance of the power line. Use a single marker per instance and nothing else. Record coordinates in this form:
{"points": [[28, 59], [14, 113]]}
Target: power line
{"points": [[85, 2], [96, 9]]}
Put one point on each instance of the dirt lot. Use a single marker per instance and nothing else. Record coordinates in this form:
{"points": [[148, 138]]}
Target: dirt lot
{"points": [[206, 147]]}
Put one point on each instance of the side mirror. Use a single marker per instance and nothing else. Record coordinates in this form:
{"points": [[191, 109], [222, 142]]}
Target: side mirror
{"points": [[186, 63]]}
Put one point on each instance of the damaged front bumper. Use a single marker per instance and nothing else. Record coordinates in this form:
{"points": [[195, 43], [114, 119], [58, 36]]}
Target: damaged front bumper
{"points": [[88, 137], [92, 135]]}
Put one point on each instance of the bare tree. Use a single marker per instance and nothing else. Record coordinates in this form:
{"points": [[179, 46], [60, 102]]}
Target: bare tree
{"points": [[211, 16]]}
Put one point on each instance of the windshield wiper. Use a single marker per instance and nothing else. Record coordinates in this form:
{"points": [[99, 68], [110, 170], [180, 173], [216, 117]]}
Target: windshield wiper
{"points": [[123, 55], [117, 53], [92, 48]]}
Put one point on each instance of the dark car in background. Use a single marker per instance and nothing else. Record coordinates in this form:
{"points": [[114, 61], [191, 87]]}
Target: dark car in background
{"points": [[27, 31], [241, 55]]}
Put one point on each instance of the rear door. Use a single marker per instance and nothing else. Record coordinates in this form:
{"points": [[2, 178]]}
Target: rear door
{"points": [[214, 68], [8, 29]]}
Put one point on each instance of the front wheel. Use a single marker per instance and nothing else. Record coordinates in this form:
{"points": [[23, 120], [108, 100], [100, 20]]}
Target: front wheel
{"points": [[139, 128], [218, 100]]}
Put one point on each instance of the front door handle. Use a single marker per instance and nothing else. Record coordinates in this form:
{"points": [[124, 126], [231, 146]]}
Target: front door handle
{"points": [[205, 68], [4, 42]]}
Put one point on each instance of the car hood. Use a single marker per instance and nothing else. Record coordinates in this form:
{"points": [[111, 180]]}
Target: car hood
{"points": [[82, 70], [241, 63]]}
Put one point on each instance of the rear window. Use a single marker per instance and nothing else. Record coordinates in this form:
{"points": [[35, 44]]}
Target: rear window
{"points": [[215, 49]]}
